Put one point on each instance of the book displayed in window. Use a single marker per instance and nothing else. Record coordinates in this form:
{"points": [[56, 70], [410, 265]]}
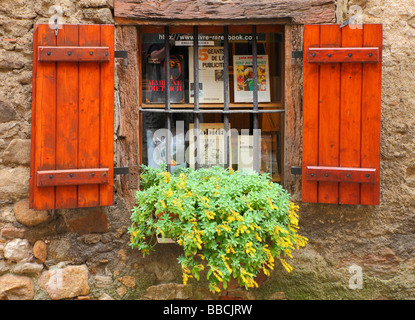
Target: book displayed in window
{"points": [[210, 75], [154, 89], [211, 145], [243, 78]]}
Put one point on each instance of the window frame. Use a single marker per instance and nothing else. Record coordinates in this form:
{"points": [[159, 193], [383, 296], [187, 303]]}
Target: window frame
{"points": [[228, 108]]}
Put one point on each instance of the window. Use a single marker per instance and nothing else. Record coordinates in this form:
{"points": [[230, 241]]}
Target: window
{"points": [[237, 113]]}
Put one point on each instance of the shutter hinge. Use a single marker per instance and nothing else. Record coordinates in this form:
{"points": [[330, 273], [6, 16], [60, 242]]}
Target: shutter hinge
{"points": [[133, 173], [297, 54], [123, 55], [296, 170], [121, 170]]}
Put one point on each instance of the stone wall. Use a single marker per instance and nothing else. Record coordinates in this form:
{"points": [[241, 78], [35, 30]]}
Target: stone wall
{"points": [[84, 254]]}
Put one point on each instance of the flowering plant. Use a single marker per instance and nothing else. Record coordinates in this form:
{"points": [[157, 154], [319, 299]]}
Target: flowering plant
{"points": [[232, 223]]}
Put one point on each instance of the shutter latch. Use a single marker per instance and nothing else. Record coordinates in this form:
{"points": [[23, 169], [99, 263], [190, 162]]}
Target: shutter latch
{"points": [[56, 26]]}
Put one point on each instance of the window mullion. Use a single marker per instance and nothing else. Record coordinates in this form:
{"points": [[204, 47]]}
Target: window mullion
{"points": [[226, 94], [256, 134], [167, 97], [196, 92]]}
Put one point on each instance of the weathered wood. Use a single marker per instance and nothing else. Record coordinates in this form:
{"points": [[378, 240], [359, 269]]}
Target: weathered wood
{"points": [[106, 139], [73, 120], [329, 119], [350, 115], [72, 177], [32, 182], [296, 11], [341, 174], [67, 118], [293, 74], [129, 129], [45, 119], [342, 55], [342, 107], [89, 115], [310, 113], [74, 54], [371, 113]]}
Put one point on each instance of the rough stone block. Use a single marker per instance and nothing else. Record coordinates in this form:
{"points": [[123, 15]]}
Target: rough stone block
{"points": [[17, 250], [14, 183], [29, 217], [169, 291], [27, 268], [40, 251], [11, 233], [65, 283], [7, 113], [85, 221], [16, 288], [18, 152]]}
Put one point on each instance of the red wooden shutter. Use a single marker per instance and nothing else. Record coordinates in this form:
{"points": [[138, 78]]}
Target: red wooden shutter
{"points": [[341, 114], [72, 117]]}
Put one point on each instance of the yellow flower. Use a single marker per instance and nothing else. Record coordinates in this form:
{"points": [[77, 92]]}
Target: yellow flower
{"points": [[258, 237], [230, 249], [286, 265], [163, 204], [211, 215], [279, 229], [169, 193], [270, 203], [167, 176], [250, 208], [249, 249]]}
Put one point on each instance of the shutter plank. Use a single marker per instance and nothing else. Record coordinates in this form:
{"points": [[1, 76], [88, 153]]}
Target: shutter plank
{"points": [[32, 180], [371, 114], [107, 116], [350, 115], [89, 115], [329, 114], [310, 113], [67, 118], [45, 119]]}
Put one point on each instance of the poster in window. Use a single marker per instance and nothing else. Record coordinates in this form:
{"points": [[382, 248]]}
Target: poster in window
{"points": [[243, 78], [210, 75], [211, 147], [154, 90]]}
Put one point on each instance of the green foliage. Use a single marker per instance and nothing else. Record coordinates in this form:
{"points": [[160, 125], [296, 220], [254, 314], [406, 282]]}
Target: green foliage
{"points": [[232, 223]]}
